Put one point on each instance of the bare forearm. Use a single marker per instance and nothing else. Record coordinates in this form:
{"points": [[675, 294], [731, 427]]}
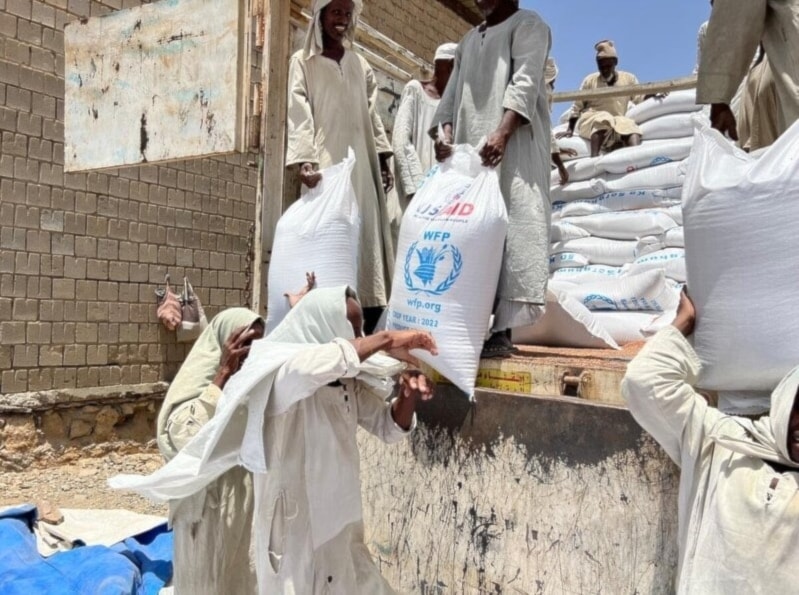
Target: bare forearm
{"points": [[402, 410], [511, 121], [366, 347]]}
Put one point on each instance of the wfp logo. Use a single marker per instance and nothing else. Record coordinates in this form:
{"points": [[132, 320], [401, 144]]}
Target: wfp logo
{"points": [[432, 270]]}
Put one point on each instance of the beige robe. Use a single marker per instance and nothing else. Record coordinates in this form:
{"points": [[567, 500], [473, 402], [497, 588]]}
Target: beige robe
{"points": [[738, 516], [413, 146], [757, 115], [497, 70], [331, 107], [596, 115], [735, 30]]}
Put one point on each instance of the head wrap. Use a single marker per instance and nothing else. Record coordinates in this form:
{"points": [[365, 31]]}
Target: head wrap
{"points": [[605, 49], [446, 51], [200, 367], [766, 438], [313, 39], [550, 71]]}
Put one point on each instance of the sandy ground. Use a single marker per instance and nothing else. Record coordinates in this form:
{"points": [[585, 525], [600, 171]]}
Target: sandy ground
{"points": [[81, 483]]}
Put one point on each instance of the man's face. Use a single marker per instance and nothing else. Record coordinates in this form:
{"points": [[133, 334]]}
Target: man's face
{"points": [[355, 316], [444, 69], [607, 67], [487, 7], [337, 18], [793, 432]]}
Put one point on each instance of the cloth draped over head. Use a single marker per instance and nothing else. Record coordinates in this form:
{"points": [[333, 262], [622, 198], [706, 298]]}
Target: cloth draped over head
{"points": [[550, 71], [766, 438], [446, 51], [605, 49], [201, 365], [314, 44]]}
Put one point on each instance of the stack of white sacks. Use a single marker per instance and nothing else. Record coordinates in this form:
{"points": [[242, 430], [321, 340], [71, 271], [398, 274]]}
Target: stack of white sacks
{"points": [[617, 259]]}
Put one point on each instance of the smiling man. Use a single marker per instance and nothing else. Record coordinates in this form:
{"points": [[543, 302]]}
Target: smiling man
{"points": [[739, 487]]}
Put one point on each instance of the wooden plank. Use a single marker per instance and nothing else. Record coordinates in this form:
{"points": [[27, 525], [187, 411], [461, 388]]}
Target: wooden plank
{"points": [[269, 199], [679, 84], [155, 83]]}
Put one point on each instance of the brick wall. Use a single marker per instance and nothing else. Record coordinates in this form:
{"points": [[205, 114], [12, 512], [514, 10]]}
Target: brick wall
{"points": [[80, 254]]}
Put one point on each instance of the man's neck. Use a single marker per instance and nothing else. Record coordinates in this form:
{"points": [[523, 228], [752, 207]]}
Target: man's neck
{"points": [[502, 13]]}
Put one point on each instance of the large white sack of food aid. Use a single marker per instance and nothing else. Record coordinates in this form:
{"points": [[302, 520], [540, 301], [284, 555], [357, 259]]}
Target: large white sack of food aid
{"points": [[577, 190], [575, 143], [629, 200], [675, 238], [448, 263], [648, 292], [672, 126], [669, 260], [624, 225], [741, 242], [646, 155], [579, 170], [677, 102], [317, 233], [565, 323], [630, 327], [604, 251], [562, 231], [563, 260], [586, 274], [668, 175]]}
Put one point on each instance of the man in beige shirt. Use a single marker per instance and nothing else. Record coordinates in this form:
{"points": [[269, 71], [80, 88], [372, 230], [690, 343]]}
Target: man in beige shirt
{"points": [[734, 32], [603, 121]]}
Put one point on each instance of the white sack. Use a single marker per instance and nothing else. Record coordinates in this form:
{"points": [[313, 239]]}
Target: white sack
{"points": [[562, 231], [672, 126], [647, 292], [630, 327], [675, 238], [565, 323], [603, 251], [668, 175], [741, 240], [676, 102], [624, 225], [675, 212], [630, 159], [629, 200], [579, 170], [670, 260], [586, 274], [566, 260], [577, 190], [317, 233], [448, 263], [576, 143]]}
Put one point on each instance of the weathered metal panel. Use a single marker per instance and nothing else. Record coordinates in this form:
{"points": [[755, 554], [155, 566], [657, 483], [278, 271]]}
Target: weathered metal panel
{"points": [[157, 82], [519, 494]]}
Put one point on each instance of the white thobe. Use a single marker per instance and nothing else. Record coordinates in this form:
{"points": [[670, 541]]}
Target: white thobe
{"points": [[738, 516], [414, 153]]}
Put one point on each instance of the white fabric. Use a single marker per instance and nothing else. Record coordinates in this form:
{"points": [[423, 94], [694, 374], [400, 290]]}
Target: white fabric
{"points": [[624, 225], [587, 274], [446, 51], [414, 152], [731, 502], [670, 126], [628, 200], [562, 230], [668, 175], [603, 251], [448, 263], [575, 143], [676, 102], [631, 327], [579, 170], [740, 235], [317, 233], [577, 191], [567, 260], [499, 69], [670, 260], [649, 154], [647, 291]]}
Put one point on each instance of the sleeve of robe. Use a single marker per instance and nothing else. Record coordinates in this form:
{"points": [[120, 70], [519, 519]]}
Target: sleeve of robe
{"points": [[529, 56], [733, 35], [445, 112], [379, 131], [406, 162], [659, 392], [374, 416], [301, 131], [581, 104], [311, 369]]}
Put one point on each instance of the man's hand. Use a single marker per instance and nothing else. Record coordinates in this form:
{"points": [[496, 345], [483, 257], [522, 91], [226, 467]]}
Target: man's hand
{"points": [[310, 283], [686, 315], [309, 176], [400, 344], [572, 153], [494, 148], [234, 352], [723, 120], [565, 134], [413, 384], [443, 146], [385, 174]]}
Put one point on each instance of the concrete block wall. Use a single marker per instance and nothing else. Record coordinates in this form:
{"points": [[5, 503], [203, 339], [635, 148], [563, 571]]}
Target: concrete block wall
{"points": [[80, 254]]}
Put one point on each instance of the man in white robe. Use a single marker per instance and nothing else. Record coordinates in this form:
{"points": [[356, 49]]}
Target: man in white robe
{"points": [[332, 107], [739, 485], [735, 30], [497, 93]]}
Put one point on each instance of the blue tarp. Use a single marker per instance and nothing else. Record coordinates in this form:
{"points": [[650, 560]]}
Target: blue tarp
{"points": [[140, 565]]}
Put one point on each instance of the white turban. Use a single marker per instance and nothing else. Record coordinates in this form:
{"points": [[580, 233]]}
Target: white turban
{"points": [[313, 39], [446, 51]]}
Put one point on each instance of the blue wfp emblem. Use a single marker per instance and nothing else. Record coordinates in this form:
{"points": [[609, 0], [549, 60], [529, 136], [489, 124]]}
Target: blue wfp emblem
{"points": [[432, 270]]}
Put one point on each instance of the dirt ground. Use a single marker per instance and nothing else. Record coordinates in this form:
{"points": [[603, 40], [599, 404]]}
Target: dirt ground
{"points": [[79, 481]]}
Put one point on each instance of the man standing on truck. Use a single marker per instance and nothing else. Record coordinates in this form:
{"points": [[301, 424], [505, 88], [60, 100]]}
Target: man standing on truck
{"points": [[497, 94], [735, 30], [739, 487], [603, 121]]}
